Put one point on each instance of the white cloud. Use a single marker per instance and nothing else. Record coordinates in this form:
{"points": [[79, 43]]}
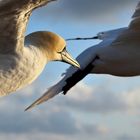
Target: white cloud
{"points": [[127, 137], [44, 122], [57, 119], [100, 99]]}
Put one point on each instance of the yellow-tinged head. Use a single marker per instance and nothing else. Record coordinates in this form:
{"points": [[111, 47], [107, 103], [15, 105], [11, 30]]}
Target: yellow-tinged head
{"points": [[53, 45]]}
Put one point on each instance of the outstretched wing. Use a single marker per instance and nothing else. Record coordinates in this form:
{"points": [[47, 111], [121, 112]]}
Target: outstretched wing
{"points": [[72, 75], [132, 33], [14, 15]]}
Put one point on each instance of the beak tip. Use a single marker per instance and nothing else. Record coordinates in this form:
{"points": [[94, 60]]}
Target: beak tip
{"points": [[67, 58], [75, 64], [78, 65]]}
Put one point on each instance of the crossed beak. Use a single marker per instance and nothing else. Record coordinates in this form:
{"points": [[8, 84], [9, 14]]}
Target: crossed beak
{"points": [[67, 58]]}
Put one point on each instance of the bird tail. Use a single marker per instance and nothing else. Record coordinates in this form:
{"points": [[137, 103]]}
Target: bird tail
{"points": [[53, 91]]}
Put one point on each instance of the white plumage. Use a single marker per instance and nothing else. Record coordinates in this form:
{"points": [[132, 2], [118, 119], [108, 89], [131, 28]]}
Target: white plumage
{"points": [[118, 54], [22, 59]]}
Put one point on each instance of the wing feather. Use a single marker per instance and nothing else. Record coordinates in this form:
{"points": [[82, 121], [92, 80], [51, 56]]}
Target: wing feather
{"points": [[14, 15]]}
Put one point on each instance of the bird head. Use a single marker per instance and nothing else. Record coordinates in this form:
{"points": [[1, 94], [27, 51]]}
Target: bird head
{"points": [[52, 45]]}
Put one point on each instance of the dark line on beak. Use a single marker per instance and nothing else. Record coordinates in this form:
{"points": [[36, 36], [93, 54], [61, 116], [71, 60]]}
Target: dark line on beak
{"points": [[78, 76]]}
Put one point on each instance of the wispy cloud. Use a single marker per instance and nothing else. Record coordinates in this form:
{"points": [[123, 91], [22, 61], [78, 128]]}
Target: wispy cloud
{"points": [[58, 119], [127, 137], [51, 119], [101, 99]]}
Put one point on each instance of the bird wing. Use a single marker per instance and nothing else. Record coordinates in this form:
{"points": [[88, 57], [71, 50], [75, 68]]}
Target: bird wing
{"points": [[68, 81], [132, 33], [72, 75], [14, 15]]}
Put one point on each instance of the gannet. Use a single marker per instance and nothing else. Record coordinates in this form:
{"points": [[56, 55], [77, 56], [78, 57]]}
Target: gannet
{"points": [[118, 54], [23, 59]]}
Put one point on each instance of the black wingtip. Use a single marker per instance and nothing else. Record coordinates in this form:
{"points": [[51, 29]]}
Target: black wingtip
{"points": [[64, 92]]}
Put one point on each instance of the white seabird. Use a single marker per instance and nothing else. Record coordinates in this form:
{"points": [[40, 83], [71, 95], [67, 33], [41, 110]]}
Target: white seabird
{"points": [[21, 63], [118, 54]]}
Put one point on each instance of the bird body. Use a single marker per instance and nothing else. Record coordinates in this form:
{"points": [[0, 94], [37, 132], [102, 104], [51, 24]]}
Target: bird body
{"points": [[115, 61], [20, 69], [118, 54], [22, 59]]}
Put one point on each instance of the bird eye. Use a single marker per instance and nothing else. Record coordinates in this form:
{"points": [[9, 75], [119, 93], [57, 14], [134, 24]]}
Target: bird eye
{"points": [[62, 50]]}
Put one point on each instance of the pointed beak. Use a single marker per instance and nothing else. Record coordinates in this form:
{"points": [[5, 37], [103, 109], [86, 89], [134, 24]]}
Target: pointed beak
{"points": [[67, 58]]}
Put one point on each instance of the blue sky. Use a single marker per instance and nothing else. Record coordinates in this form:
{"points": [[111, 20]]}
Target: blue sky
{"points": [[99, 107]]}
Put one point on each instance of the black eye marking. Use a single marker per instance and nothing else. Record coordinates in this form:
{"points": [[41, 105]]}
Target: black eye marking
{"points": [[64, 49]]}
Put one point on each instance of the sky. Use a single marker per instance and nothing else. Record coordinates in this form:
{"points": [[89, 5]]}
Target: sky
{"points": [[100, 107]]}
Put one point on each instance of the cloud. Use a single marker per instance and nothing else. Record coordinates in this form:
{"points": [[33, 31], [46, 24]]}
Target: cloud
{"points": [[89, 99], [100, 99], [87, 10], [58, 118], [127, 137], [51, 119], [59, 122], [96, 130]]}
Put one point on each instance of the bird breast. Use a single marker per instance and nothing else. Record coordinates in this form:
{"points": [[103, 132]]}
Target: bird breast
{"points": [[17, 71]]}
